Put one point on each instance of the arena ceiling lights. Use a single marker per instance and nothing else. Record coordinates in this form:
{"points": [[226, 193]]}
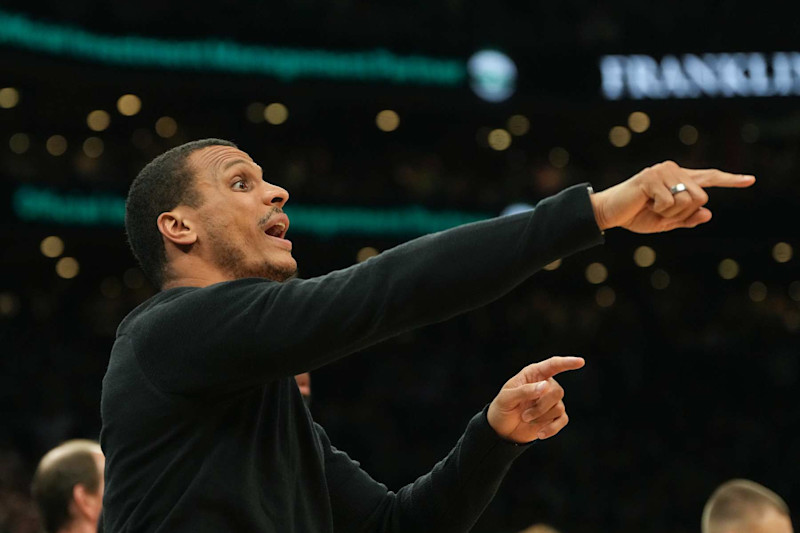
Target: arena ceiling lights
{"points": [[492, 75], [285, 64]]}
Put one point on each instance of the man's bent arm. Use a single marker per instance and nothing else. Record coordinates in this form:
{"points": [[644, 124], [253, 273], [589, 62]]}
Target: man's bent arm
{"points": [[450, 498], [240, 333]]}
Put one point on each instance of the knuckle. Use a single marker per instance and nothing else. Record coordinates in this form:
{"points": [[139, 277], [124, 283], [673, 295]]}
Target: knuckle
{"points": [[665, 205]]}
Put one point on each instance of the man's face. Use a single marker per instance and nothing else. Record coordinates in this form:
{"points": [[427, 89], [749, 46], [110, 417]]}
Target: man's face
{"points": [[241, 221]]}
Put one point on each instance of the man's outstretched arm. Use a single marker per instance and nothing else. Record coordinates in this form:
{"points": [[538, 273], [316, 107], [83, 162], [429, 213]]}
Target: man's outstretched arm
{"points": [[256, 330], [453, 495]]}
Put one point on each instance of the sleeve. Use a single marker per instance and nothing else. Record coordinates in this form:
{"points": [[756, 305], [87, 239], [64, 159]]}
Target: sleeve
{"points": [[450, 498], [241, 333]]}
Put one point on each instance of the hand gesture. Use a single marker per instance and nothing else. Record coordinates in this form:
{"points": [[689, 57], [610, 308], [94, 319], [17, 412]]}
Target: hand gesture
{"points": [[661, 198], [530, 406]]}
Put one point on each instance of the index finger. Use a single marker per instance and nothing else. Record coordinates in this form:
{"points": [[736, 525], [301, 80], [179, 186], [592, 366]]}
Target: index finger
{"points": [[550, 367], [711, 177]]}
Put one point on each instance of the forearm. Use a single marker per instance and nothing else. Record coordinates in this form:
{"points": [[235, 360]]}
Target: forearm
{"points": [[433, 278], [450, 498]]}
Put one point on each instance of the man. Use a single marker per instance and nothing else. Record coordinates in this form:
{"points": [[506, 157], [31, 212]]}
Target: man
{"points": [[743, 506], [68, 487], [203, 424]]}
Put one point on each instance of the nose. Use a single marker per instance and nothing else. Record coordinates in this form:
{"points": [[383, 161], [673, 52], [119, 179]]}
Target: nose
{"points": [[274, 195]]}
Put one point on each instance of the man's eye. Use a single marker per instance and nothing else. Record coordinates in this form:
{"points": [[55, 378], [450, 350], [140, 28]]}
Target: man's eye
{"points": [[240, 185]]}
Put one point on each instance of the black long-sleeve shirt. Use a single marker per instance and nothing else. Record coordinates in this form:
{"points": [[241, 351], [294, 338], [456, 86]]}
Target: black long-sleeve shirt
{"points": [[204, 428]]}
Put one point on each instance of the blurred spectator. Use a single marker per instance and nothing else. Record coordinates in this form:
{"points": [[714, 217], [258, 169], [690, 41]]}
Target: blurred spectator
{"points": [[68, 487], [304, 384], [540, 528], [743, 506]]}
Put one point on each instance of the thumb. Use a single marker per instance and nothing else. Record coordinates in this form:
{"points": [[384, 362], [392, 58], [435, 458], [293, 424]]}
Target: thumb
{"points": [[701, 216]]}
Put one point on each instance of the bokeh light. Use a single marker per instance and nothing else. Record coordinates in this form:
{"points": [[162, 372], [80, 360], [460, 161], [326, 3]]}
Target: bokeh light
{"points": [[518, 125], [365, 253], [51, 246], [166, 127], [782, 252], [129, 105], [596, 273], [638, 122], [688, 135], [19, 143], [644, 256], [387, 120], [56, 145], [757, 291], [605, 296], [276, 113], [499, 139], [619, 136], [67, 267], [93, 147], [728, 269], [9, 97], [659, 279], [98, 120], [9, 304]]}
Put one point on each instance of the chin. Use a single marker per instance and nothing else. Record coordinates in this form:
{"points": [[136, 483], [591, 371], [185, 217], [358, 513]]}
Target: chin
{"points": [[280, 270]]}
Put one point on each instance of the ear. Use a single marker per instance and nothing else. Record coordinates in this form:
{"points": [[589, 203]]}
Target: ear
{"points": [[86, 503], [176, 227]]}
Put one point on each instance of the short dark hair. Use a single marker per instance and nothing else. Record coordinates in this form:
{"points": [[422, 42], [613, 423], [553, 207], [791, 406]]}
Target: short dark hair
{"points": [[163, 184], [736, 501], [63, 467]]}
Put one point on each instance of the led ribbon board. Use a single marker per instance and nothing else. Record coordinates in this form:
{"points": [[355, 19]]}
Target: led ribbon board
{"points": [[286, 64], [694, 76], [40, 205]]}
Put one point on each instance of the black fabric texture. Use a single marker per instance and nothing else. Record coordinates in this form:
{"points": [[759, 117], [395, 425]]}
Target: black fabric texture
{"points": [[204, 428]]}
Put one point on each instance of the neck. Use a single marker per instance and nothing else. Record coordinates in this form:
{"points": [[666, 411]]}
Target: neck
{"points": [[190, 272], [79, 525], [189, 281]]}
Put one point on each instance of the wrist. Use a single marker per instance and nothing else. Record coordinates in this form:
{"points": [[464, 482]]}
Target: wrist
{"points": [[597, 206], [494, 422]]}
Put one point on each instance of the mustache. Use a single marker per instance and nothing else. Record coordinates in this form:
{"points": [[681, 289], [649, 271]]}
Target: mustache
{"points": [[272, 212]]}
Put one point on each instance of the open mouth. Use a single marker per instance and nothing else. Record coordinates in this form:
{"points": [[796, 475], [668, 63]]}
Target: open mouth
{"points": [[278, 226]]}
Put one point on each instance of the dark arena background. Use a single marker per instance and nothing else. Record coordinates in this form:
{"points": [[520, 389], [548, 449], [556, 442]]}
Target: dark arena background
{"points": [[387, 120]]}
